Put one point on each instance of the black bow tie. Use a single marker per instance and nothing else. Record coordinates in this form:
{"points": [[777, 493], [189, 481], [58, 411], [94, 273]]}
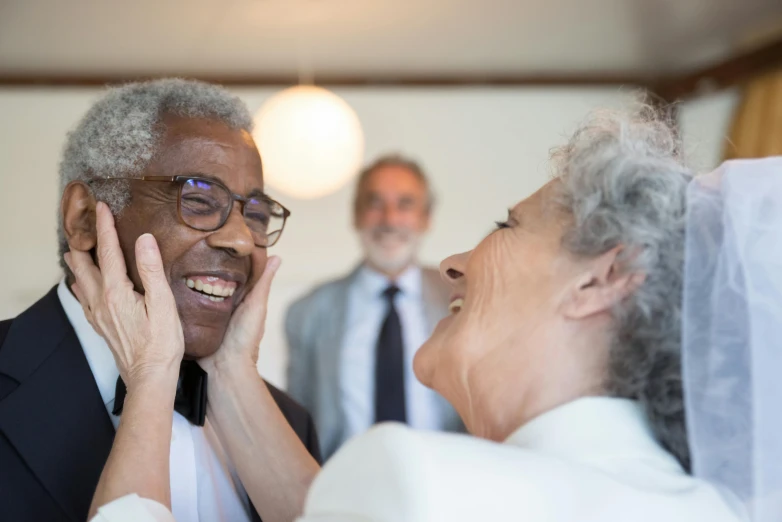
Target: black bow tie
{"points": [[190, 399]]}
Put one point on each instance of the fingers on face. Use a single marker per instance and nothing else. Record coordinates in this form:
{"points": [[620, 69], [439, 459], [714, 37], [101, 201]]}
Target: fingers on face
{"points": [[77, 292], [98, 287], [260, 294], [112, 262], [94, 281], [157, 291], [87, 277], [85, 305], [149, 262]]}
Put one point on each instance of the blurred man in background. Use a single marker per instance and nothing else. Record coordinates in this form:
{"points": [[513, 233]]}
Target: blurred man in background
{"points": [[352, 341]]}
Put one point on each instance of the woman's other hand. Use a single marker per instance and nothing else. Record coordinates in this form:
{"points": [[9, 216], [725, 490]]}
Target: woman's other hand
{"points": [[245, 331]]}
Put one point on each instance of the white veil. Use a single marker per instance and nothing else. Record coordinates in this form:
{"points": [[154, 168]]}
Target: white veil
{"points": [[732, 333]]}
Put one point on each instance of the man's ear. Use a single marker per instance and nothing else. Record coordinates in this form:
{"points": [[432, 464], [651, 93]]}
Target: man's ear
{"points": [[355, 219], [427, 219], [605, 283], [78, 216], [358, 210]]}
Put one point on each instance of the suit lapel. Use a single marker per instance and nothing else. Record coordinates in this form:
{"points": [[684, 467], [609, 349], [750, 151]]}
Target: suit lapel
{"points": [[330, 361], [334, 327], [55, 418]]}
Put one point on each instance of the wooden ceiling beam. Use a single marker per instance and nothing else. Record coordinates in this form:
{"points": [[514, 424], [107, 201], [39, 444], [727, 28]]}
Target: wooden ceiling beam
{"points": [[378, 80], [727, 73]]}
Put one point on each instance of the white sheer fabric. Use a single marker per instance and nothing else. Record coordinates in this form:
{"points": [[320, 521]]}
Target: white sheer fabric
{"points": [[732, 333], [132, 508]]}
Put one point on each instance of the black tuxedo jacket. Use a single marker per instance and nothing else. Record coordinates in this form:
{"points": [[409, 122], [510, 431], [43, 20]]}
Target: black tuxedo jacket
{"points": [[55, 432]]}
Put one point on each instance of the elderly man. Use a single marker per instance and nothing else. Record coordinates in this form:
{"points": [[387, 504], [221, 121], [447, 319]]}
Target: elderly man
{"points": [[172, 158], [352, 341]]}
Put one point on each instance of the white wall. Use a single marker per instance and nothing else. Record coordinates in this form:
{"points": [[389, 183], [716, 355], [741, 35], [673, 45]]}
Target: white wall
{"points": [[485, 149], [704, 125]]}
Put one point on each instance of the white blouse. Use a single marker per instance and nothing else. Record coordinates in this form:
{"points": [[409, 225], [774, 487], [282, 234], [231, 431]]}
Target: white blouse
{"points": [[592, 460], [132, 508]]}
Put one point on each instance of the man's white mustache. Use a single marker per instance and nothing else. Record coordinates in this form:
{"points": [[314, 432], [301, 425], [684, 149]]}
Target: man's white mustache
{"points": [[386, 232]]}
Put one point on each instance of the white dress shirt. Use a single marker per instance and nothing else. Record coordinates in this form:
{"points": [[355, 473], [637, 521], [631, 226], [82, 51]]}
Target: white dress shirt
{"points": [[591, 460], [366, 311], [204, 483]]}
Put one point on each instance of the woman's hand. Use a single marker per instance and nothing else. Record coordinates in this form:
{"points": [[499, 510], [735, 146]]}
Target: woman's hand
{"points": [[274, 466], [245, 330], [143, 332]]}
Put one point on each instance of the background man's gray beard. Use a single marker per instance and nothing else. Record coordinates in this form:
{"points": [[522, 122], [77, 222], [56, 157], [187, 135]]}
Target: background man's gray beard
{"points": [[376, 255]]}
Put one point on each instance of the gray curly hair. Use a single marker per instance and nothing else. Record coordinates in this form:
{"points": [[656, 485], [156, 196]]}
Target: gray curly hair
{"points": [[624, 183], [121, 132]]}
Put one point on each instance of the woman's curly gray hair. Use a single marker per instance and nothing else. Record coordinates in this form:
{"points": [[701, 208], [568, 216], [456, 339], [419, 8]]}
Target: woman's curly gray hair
{"points": [[624, 183], [121, 132]]}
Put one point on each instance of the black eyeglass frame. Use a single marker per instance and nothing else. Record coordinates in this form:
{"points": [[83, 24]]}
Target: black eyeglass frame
{"points": [[181, 180]]}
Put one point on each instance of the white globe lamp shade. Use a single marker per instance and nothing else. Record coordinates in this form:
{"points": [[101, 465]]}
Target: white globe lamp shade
{"points": [[310, 141]]}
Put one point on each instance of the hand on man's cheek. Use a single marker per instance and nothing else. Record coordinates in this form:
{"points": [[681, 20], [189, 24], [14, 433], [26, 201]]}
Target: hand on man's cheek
{"points": [[182, 250], [258, 259], [186, 251]]}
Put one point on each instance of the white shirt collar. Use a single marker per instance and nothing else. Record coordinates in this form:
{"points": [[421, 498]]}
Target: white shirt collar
{"points": [[98, 354], [591, 429], [373, 283]]}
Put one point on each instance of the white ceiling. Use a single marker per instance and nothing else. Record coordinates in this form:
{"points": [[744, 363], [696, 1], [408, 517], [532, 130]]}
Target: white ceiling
{"points": [[365, 37]]}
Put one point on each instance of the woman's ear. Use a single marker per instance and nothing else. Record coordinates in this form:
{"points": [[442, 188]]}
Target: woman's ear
{"points": [[78, 216], [605, 283]]}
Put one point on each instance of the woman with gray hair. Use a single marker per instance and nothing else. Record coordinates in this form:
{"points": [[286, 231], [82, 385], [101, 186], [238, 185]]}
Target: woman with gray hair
{"points": [[562, 352], [561, 355]]}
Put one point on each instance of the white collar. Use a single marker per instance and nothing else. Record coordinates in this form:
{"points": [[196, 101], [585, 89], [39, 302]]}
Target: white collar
{"points": [[593, 429], [373, 283], [98, 354]]}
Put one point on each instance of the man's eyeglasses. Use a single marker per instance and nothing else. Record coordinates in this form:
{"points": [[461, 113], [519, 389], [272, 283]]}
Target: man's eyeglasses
{"points": [[205, 204]]}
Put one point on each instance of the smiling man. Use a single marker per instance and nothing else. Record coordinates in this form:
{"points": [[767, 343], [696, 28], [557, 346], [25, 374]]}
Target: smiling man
{"points": [[172, 158], [352, 341]]}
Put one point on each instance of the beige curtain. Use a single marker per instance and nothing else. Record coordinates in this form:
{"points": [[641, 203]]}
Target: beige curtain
{"points": [[756, 130]]}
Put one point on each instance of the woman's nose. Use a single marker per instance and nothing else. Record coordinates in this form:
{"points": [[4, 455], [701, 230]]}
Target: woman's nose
{"points": [[452, 268]]}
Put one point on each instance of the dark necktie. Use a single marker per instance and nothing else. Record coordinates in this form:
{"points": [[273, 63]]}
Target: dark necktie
{"points": [[190, 399], [390, 366]]}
